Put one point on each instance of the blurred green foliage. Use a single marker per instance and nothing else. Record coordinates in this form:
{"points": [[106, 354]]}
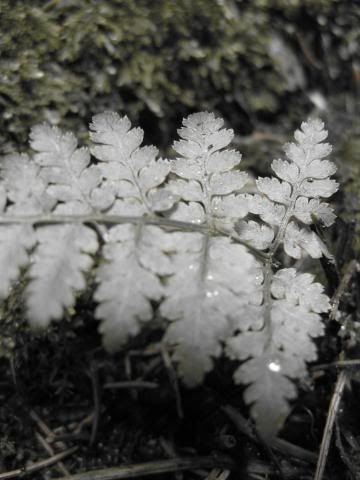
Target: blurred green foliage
{"points": [[63, 60]]}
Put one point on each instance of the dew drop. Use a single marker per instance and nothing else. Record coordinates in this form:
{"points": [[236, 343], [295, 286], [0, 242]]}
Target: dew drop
{"points": [[191, 267], [211, 294], [274, 366], [210, 277]]}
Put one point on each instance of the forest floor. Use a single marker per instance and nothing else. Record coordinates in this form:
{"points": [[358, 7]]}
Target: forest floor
{"points": [[69, 410]]}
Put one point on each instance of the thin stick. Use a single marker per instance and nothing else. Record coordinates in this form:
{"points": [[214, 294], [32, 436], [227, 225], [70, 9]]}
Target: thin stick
{"points": [[35, 467], [173, 380], [350, 269], [282, 446], [354, 362], [96, 396], [131, 384], [329, 426], [155, 468], [43, 442]]}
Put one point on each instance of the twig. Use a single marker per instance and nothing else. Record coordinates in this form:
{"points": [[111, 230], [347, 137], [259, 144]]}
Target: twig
{"points": [[131, 384], [329, 426], [354, 362], [41, 464], [96, 397], [155, 468], [344, 456], [218, 474], [173, 380], [350, 269], [282, 446], [43, 442]]}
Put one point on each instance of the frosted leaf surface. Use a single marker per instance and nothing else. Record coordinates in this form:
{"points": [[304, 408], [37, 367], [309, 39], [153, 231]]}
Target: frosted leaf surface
{"points": [[256, 235], [274, 189], [23, 185], [135, 255], [205, 171], [210, 287], [298, 240], [23, 192], [128, 280], [297, 197], [272, 213], [312, 210], [57, 270], [212, 278], [272, 359], [15, 243], [131, 172], [66, 169]]}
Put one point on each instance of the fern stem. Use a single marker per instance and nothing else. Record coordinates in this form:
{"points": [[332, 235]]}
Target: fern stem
{"points": [[103, 218], [267, 300]]}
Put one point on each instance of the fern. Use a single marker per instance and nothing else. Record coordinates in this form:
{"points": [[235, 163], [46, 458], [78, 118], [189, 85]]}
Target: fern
{"points": [[291, 301], [174, 235], [205, 296]]}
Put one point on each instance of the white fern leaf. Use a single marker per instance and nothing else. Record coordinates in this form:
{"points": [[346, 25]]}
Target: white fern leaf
{"points": [[298, 240], [129, 281], [305, 180], [205, 294], [210, 287], [130, 172], [23, 192], [312, 210], [57, 270], [135, 255], [15, 244], [273, 358], [256, 235], [208, 168], [66, 169], [274, 189]]}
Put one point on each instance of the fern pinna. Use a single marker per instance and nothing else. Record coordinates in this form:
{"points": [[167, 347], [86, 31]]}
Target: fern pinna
{"points": [[182, 236]]}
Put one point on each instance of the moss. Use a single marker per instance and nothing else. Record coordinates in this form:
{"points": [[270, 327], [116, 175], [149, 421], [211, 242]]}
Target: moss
{"points": [[349, 157], [158, 61]]}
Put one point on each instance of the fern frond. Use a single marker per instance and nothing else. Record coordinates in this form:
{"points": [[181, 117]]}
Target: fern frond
{"points": [[273, 358], [304, 181], [205, 294], [135, 255], [291, 303]]}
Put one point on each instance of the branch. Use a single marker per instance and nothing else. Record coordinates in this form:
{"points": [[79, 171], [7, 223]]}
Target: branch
{"points": [[154, 468]]}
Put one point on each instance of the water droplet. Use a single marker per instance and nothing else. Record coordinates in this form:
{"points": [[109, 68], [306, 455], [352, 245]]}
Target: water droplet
{"points": [[274, 366], [191, 267], [211, 294], [210, 277]]}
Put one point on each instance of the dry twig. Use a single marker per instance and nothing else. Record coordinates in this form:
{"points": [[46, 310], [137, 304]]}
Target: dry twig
{"points": [[333, 410], [37, 466], [155, 468]]}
